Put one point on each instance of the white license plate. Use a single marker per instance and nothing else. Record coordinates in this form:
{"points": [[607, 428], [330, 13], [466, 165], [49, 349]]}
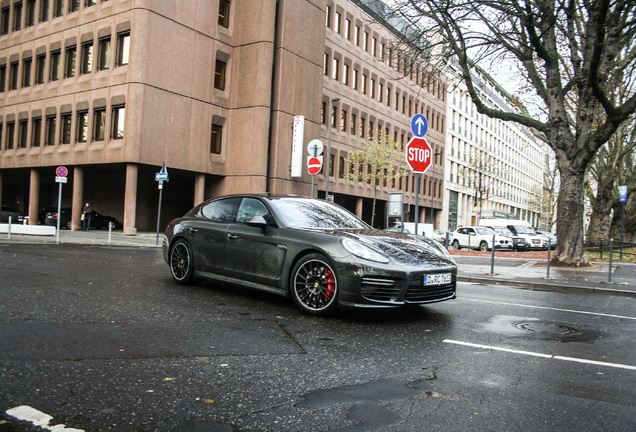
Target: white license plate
{"points": [[437, 279]]}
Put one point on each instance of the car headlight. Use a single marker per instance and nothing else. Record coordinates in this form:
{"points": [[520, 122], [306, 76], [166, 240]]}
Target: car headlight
{"points": [[362, 251]]}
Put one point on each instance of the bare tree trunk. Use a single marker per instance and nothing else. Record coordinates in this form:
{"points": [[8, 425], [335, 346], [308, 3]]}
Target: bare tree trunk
{"points": [[600, 221], [570, 250]]}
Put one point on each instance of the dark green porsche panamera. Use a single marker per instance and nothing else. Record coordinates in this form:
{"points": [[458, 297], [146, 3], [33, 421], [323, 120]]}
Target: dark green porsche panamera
{"points": [[314, 251]]}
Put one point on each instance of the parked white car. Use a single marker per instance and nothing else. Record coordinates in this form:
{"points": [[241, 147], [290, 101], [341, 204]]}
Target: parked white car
{"points": [[479, 238]]}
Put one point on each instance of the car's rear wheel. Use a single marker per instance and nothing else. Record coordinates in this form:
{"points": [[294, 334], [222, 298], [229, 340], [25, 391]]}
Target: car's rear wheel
{"points": [[456, 245], [314, 285], [181, 263], [483, 246]]}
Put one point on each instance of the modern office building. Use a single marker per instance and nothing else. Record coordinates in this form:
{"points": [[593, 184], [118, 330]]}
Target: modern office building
{"points": [[494, 169], [112, 89]]}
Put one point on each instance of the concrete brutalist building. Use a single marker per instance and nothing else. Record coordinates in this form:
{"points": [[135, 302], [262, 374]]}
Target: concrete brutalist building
{"points": [[111, 89]]}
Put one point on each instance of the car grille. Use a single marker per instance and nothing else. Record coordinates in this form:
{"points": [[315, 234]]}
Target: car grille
{"points": [[380, 289], [537, 242], [418, 292]]}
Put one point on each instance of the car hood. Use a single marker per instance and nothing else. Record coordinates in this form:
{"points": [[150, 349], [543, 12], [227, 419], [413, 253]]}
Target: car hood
{"points": [[404, 248]]}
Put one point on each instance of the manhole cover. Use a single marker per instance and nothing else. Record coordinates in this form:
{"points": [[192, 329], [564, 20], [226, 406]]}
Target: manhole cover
{"points": [[547, 328]]}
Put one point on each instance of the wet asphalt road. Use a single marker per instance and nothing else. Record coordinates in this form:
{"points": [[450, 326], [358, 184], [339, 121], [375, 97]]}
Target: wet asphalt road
{"points": [[101, 339]]}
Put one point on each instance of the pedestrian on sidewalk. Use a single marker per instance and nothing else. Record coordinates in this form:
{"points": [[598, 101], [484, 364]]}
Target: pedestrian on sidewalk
{"points": [[87, 215]]}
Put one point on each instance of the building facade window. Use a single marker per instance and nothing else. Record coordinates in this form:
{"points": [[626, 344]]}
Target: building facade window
{"points": [[219, 74], [26, 72], [17, 16], [4, 20], [13, 76], [58, 8], [36, 131], [10, 132], [224, 13], [65, 128], [216, 136], [40, 66], [70, 60], [73, 5], [50, 130], [44, 10], [123, 48], [86, 65], [103, 62], [3, 77], [81, 135], [118, 121], [89, 3], [23, 132], [54, 65], [99, 124]]}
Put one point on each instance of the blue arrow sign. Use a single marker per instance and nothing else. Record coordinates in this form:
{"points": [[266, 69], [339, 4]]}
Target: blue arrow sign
{"points": [[161, 176], [419, 125], [622, 193]]}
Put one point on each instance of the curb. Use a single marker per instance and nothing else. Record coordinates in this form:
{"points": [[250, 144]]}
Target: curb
{"points": [[546, 286]]}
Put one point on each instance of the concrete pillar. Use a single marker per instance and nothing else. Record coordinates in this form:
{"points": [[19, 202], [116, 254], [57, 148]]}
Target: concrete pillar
{"points": [[359, 204], [34, 196], [199, 188], [130, 200], [77, 200]]}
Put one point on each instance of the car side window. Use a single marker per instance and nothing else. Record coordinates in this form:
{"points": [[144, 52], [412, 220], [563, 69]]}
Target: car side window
{"points": [[251, 207], [223, 210]]}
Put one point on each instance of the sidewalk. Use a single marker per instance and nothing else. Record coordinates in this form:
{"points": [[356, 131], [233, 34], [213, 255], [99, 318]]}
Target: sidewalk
{"points": [[522, 272], [533, 274], [93, 237]]}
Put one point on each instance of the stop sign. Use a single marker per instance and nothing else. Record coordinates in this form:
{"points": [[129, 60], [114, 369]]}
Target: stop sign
{"points": [[314, 165], [418, 154]]}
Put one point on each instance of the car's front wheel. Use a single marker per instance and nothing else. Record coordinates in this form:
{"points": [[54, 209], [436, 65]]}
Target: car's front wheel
{"points": [[483, 246], [181, 263], [314, 285], [456, 245]]}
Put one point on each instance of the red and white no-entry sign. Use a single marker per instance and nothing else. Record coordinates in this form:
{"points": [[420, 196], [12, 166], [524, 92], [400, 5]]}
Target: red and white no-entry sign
{"points": [[418, 154], [314, 165]]}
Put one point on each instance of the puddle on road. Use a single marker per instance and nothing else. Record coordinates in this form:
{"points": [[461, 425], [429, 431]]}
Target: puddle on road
{"points": [[514, 326], [368, 411]]}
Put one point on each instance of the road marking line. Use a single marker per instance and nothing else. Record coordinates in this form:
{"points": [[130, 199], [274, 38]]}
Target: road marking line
{"points": [[38, 418], [536, 354], [549, 308]]}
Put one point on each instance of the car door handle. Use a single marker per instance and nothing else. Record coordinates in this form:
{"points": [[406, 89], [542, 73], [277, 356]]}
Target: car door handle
{"points": [[193, 230], [231, 236]]}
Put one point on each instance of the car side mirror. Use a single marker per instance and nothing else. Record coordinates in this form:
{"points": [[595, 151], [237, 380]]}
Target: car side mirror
{"points": [[257, 221]]}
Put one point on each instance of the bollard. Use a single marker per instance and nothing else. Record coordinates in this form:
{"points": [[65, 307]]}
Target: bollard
{"points": [[9, 228], [492, 261], [549, 247], [110, 231], [611, 251]]}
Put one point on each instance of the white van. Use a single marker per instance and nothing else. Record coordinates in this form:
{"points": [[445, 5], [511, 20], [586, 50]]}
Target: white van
{"points": [[519, 228]]}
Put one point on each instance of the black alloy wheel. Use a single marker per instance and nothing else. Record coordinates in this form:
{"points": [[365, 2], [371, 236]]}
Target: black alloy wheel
{"points": [[314, 285], [181, 264]]}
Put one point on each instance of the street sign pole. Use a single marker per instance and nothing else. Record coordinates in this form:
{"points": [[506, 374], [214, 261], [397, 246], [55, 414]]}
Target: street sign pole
{"points": [[161, 176], [59, 213], [417, 199], [60, 177], [159, 211]]}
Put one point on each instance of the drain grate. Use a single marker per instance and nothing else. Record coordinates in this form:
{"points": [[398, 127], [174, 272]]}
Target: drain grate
{"points": [[548, 328]]}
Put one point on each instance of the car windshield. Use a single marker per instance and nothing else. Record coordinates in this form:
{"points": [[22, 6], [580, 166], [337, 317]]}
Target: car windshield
{"points": [[502, 231], [309, 213], [484, 231], [524, 229]]}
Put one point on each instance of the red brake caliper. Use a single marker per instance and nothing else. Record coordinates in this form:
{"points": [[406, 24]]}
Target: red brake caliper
{"points": [[330, 283]]}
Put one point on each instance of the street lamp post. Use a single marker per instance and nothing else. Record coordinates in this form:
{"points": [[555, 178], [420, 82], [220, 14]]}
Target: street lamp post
{"points": [[433, 190], [331, 120]]}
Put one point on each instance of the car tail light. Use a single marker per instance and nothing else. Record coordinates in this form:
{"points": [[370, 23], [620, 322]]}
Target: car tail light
{"points": [[170, 224]]}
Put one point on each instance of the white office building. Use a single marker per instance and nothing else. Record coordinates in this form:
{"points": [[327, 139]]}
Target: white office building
{"points": [[493, 169]]}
